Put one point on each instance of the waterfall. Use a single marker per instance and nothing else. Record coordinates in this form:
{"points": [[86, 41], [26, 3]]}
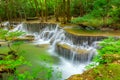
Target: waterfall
{"points": [[75, 52], [72, 47]]}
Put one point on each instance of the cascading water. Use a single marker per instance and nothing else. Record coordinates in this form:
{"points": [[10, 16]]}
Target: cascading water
{"points": [[75, 52]]}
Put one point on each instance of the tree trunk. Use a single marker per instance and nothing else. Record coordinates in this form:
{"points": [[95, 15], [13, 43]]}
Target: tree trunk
{"points": [[42, 11], [36, 5], [68, 11], [81, 9], [56, 10], [46, 10], [64, 11]]}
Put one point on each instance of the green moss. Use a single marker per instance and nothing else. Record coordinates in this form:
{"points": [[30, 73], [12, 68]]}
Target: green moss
{"points": [[81, 32], [101, 72], [107, 72]]}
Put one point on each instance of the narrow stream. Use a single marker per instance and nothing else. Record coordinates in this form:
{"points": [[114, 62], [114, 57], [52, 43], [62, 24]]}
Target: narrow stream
{"points": [[73, 55]]}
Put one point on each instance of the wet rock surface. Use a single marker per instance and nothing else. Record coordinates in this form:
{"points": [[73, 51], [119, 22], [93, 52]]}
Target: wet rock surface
{"points": [[81, 39], [78, 55], [37, 27]]}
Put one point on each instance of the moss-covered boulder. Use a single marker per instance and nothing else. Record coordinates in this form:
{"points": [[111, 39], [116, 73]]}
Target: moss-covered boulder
{"points": [[102, 72]]}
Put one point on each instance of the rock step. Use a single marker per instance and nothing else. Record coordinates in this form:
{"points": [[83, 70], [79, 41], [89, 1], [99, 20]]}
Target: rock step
{"points": [[71, 53]]}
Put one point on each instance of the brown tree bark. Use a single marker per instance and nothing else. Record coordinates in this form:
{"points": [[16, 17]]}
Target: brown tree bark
{"points": [[42, 11], [36, 5], [64, 11], [68, 11], [81, 9], [46, 11], [56, 10]]}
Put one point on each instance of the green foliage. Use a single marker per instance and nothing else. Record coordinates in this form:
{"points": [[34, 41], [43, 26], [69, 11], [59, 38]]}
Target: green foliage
{"points": [[108, 53], [102, 72], [6, 35], [110, 46], [92, 65], [91, 20], [13, 60], [9, 63], [99, 13], [88, 10], [22, 76], [3, 33], [9, 38]]}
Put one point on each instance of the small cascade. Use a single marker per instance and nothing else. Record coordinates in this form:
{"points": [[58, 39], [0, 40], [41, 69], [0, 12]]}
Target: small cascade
{"points": [[18, 27], [77, 54], [37, 27], [9, 25], [84, 39], [41, 31], [5, 25]]}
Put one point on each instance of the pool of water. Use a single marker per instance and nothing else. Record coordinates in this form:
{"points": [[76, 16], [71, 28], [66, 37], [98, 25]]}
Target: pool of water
{"points": [[42, 56], [43, 59]]}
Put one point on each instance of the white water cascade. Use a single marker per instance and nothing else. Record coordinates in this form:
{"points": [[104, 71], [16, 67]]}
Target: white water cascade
{"points": [[73, 59]]}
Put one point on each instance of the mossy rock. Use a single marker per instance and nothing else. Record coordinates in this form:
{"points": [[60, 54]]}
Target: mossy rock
{"points": [[67, 47], [23, 39], [102, 72], [110, 58]]}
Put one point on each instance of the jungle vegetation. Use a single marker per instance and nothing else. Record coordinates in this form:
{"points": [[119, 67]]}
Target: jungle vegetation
{"points": [[86, 12]]}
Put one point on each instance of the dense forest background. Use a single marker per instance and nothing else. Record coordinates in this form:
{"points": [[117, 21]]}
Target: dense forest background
{"points": [[89, 12]]}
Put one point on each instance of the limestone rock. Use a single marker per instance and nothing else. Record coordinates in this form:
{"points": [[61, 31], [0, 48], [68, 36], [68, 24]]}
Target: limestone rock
{"points": [[23, 39]]}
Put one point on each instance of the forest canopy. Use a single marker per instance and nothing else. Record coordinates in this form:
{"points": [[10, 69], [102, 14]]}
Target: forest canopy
{"points": [[77, 10]]}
